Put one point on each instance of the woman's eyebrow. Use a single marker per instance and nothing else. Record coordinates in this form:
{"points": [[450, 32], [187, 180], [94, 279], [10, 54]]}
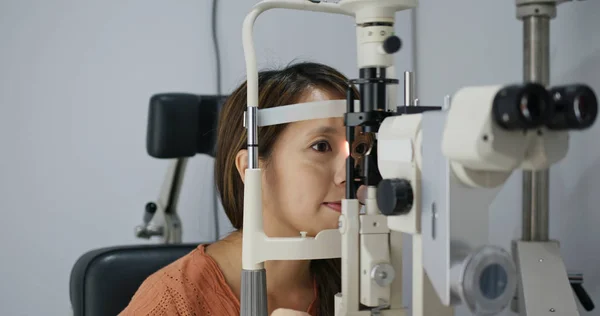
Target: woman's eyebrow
{"points": [[324, 130]]}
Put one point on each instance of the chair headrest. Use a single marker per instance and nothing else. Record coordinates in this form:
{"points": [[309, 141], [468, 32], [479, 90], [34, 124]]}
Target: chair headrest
{"points": [[182, 125]]}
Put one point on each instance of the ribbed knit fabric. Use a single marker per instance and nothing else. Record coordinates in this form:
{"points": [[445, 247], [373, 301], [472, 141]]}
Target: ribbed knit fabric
{"points": [[191, 286]]}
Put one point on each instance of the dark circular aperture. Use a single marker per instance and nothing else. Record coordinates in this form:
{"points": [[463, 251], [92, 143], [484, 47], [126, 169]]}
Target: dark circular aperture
{"points": [[361, 149], [575, 107], [582, 110], [521, 106], [531, 107], [493, 281]]}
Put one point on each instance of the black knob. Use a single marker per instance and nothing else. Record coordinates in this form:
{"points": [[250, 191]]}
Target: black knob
{"points": [[151, 207], [392, 44], [394, 196]]}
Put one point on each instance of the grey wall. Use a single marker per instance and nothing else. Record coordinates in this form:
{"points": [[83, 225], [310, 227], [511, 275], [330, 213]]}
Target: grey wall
{"points": [[75, 78], [471, 42], [75, 81]]}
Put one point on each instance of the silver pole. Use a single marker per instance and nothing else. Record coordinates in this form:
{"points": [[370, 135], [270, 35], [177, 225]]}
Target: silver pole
{"points": [[409, 88], [536, 68]]}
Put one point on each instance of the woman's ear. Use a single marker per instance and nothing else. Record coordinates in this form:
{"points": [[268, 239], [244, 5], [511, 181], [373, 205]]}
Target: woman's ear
{"points": [[241, 162]]}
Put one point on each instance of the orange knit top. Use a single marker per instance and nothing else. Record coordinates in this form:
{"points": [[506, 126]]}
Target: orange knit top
{"points": [[192, 285]]}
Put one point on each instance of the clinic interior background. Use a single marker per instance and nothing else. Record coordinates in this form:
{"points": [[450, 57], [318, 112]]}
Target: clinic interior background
{"points": [[76, 78]]}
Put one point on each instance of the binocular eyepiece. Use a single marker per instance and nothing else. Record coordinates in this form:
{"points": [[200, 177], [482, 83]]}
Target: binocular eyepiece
{"points": [[531, 105]]}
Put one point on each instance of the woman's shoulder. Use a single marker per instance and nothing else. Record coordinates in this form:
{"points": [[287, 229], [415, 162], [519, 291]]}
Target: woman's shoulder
{"points": [[192, 285]]}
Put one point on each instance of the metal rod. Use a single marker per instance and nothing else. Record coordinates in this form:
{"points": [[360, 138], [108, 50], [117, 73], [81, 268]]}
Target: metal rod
{"points": [[536, 68], [172, 198], [252, 137], [409, 88]]}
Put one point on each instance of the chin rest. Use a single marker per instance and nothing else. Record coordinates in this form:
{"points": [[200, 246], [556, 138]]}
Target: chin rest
{"points": [[103, 281]]}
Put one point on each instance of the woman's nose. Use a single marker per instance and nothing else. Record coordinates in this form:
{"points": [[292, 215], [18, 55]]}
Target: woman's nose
{"points": [[340, 170]]}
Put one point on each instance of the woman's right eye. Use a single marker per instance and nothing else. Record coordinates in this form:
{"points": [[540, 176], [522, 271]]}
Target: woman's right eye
{"points": [[322, 146]]}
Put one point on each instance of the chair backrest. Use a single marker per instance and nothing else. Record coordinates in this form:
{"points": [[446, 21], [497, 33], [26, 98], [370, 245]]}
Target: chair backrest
{"points": [[103, 281]]}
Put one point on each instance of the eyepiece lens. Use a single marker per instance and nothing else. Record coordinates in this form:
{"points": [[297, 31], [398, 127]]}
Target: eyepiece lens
{"points": [[580, 109], [531, 106], [574, 107], [521, 106]]}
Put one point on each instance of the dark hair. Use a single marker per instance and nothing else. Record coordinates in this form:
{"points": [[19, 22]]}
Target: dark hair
{"points": [[276, 88]]}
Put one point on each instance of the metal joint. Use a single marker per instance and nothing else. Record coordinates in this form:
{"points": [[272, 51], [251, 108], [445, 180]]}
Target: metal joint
{"points": [[383, 305], [383, 274], [536, 8]]}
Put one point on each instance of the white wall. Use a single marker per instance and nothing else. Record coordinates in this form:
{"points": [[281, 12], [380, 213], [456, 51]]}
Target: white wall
{"points": [[75, 81], [472, 42]]}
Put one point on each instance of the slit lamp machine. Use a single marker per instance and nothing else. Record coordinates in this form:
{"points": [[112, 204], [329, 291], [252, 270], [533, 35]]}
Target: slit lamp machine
{"points": [[432, 172]]}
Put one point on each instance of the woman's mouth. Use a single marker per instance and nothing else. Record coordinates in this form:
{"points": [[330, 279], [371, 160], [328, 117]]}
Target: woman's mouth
{"points": [[336, 206]]}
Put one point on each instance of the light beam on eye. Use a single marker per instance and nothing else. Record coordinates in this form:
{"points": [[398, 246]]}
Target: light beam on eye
{"points": [[347, 149]]}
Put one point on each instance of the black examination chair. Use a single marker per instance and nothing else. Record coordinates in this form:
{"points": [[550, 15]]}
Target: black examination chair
{"points": [[103, 281]]}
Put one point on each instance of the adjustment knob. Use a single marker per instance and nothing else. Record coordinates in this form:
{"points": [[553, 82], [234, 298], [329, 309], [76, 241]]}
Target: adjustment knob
{"points": [[151, 208], [392, 44], [394, 196]]}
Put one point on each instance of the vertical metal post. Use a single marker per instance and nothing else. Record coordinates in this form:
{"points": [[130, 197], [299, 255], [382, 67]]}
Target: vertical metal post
{"points": [[539, 263], [409, 88], [536, 68]]}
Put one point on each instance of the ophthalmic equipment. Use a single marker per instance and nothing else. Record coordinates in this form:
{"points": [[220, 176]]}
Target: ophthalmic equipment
{"points": [[431, 172]]}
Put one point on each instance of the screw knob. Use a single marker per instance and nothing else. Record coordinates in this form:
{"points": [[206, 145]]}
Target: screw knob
{"points": [[394, 196], [392, 44]]}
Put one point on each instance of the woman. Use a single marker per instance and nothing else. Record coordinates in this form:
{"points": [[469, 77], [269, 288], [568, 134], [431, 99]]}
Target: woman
{"points": [[303, 183]]}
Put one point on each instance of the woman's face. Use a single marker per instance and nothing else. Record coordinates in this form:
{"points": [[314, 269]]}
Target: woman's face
{"points": [[304, 181]]}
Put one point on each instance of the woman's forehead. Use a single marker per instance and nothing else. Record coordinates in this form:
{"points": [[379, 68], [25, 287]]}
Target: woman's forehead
{"points": [[330, 126]]}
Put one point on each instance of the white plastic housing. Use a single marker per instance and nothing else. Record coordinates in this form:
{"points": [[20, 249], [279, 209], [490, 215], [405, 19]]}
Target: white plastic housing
{"points": [[347, 302], [376, 10], [545, 149], [258, 247], [370, 39], [474, 140], [398, 156], [482, 153], [374, 250]]}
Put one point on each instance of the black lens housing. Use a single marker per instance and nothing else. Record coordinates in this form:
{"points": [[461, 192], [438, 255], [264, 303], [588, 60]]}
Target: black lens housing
{"points": [[574, 107], [519, 107]]}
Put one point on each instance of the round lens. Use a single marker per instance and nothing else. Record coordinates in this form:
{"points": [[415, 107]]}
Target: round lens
{"points": [[361, 149], [580, 108], [493, 281], [531, 106], [518, 107]]}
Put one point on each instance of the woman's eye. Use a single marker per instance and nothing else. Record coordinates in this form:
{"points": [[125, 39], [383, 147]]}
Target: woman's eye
{"points": [[321, 146]]}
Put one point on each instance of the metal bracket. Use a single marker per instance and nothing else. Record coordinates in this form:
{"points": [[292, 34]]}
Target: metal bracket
{"points": [[539, 8], [160, 217], [547, 8], [540, 266], [383, 305]]}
